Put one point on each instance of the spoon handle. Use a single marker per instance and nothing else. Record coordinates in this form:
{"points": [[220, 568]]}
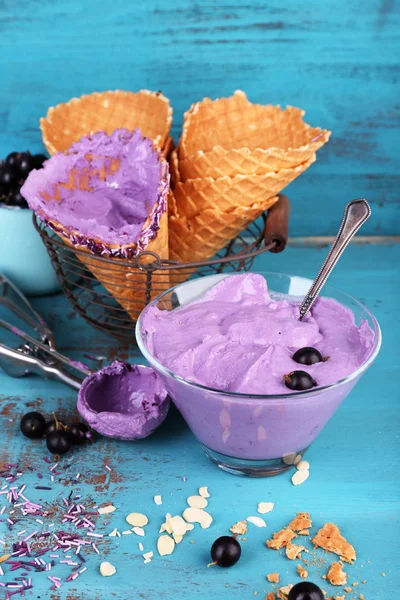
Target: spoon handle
{"points": [[355, 215]]}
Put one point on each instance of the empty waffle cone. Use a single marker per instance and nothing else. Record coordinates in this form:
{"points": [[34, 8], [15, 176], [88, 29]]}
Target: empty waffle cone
{"points": [[194, 196], [234, 123], [200, 238], [219, 162], [107, 111]]}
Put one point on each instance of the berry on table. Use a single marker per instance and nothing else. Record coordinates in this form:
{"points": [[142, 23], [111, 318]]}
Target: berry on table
{"points": [[17, 199], [299, 380], [305, 590], [78, 432], [33, 425], [59, 442], [308, 356], [226, 551], [54, 425]]}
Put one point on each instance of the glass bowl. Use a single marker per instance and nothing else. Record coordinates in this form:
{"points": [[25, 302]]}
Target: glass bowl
{"points": [[247, 434]]}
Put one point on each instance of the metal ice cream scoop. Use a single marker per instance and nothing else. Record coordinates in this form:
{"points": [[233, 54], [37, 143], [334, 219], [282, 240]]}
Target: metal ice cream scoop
{"points": [[355, 215]]}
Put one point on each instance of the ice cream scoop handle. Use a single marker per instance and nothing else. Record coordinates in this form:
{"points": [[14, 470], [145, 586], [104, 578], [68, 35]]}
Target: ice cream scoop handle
{"points": [[355, 215], [277, 224]]}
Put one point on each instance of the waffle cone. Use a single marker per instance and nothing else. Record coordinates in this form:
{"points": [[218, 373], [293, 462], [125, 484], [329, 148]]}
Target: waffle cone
{"points": [[168, 148], [201, 237], [106, 111], [174, 169], [234, 123], [194, 196], [219, 162]]}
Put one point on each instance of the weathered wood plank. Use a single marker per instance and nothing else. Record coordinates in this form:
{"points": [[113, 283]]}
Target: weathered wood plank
{"points": [[339, 62]]}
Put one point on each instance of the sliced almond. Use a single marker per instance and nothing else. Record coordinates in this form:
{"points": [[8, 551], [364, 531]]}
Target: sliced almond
{"points": [[297, 459], [166, 527], [141, 547], [189, 526], [265, 507], [197, 502], [107, 569], [177, 538], [127, 532], [106, 510], [203, 491], [138, 531], [113, 533], [289, 458], [300, 477], [257, 521], [197, 515], [165, 545], [158, 500], [303, 465], [137, 519], [148, 555], [177, 525]]}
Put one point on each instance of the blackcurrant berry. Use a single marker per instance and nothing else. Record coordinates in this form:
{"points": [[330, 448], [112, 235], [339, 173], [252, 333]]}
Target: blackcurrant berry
{"points": [[33, 425], [78, 433], [59, 442], [226, 551], [308, 356], [25, 163], [9, 176], [38, 160], [305, 590], [54, 425], [12, 159], [17, 199], [299, 380]]}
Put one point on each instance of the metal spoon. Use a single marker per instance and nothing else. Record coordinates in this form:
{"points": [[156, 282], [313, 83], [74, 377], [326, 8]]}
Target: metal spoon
{"points": [[355, 215]]}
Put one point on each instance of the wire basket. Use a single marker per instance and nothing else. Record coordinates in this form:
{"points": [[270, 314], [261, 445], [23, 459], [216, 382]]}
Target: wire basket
{"points": [[102, 300]]}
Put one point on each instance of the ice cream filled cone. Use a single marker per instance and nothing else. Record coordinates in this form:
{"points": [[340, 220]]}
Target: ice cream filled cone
{"points": [[107, 197], [66, 123]]}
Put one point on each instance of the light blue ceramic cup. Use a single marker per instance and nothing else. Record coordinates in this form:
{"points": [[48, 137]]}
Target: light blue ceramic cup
{"points": [[23, 256]]}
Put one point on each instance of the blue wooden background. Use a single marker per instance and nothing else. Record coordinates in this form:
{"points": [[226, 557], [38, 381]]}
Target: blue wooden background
{"points": [[337, 60]]}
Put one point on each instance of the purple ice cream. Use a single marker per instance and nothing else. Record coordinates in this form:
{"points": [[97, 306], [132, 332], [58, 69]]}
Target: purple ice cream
{"points": [[123, 401], [107, 192], [239, 339]]}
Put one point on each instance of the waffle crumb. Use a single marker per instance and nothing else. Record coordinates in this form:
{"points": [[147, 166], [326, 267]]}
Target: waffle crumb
{"points": [[300, 522], [283, 592], [273, 577], [280, 539], [336, 575], [348, 589], [355, 583], [362, 597], [293, 551], [270, 596], [383, 574], [330, 539], [304, 532], [303, 573], [364, 581], [239, 528]]}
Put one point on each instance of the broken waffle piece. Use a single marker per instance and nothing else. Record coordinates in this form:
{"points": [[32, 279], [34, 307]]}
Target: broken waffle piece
{"points": [[330, 539], [304, 532], [303, 573], [293, 551], [336, 575], [280, 539], [284, 592], [300, 522], [240, 528], [273, 577], [270, 596]]}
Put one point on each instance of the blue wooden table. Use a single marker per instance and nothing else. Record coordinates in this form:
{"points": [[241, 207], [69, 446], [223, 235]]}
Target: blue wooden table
{"points": [[354, 479]]}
